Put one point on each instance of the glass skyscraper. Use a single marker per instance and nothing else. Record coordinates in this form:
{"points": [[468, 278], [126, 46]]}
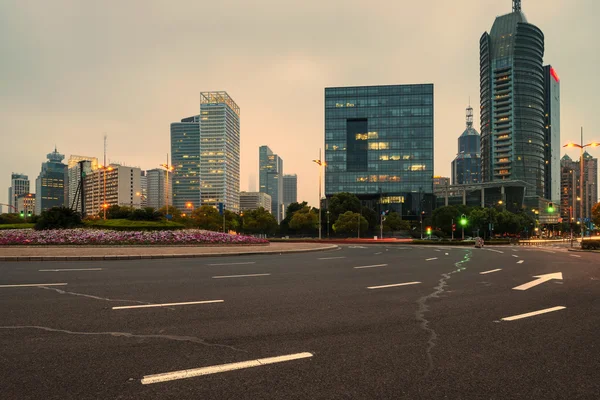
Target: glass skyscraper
{"points": [[379, 145], [466, 167], [271, 179], [552, 172], [185, 157], [290, 190], [51, 186], [512, 102], [19, 184]]}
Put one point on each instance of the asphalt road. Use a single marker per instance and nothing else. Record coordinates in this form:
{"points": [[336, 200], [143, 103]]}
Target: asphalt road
{"points": [[442, 331]]}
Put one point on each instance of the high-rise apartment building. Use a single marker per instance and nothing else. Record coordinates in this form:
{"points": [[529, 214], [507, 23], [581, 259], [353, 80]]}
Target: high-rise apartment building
{"points": [[19, 184], [552, 169], [254, 200], [271, 179], [144, 189], [513, 133], [466, 167], [116, 185], [157, 188], [185, 157], [379, 146], [26, 204], [570, 186], [290, 190], [219, 150], [51, 186], [74, 176]]}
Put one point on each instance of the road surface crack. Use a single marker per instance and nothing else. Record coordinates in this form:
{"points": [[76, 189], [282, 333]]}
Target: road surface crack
{"points": [[89, 296], [190, 339], [423, 308]]}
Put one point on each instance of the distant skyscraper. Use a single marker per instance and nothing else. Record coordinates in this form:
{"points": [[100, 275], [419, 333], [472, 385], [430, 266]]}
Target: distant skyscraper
{"points": [[185, 157], [19, 184], [122, 188], [570, 186], [440, 181], [254, 200], [552, 174], [379, 146], [51, 188], [290, 190], [26, 204], [144, 190], [512, 102], [220, 150], [466, 167], [157, 188], [90, 164], [271, 179]]}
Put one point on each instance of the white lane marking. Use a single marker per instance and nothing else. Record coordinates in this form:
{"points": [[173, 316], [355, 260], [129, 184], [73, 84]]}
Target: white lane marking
{"points": [[437, 250], [72, 269], [168, 304], [330, 258], [540, 279], [378, 253], [515, 250], [489, 272], [371, 266], [238, 263], [431, 259], [394, 285], [520, 261], [446, 253], [238, 276], [573, 255], [533, 313], [495, 251], [514, 255], [190, 373], [34, 285]]}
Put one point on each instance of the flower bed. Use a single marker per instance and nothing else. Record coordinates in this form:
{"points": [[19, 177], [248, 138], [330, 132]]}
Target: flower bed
{"points": [[106, 237]]}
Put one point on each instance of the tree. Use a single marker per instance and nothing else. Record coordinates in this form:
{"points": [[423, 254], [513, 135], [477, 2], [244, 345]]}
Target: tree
{"points": [[259, 221], [443, 216], [371, 216], [508, 223], [173, 211], [393, 222], [348, 223], [596, 215], [145, 214], [343, 202], [208, 217], [291, 209], [58, 218], [116, 212], [305, 220], [232, 221]]}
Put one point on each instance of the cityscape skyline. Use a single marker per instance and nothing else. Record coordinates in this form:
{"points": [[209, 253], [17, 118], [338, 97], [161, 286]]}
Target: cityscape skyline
{"points": [[139, 117]]}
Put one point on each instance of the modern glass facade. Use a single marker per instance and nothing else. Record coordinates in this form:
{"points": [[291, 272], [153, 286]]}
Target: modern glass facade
{"points": [[290, 190], [466, 167], [185, 157], [512, 102], [19, 184], [52, 184], [552, 140], [379, 145], [271, 179]]}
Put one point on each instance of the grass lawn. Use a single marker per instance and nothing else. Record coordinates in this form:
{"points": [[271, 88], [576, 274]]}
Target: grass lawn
{"points": [[16, 226]]}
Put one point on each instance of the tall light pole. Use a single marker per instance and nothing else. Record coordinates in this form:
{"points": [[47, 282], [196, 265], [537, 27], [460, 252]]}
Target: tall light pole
{"points": [[581, 146], [321, 164], [168, 168], [104, 168]]}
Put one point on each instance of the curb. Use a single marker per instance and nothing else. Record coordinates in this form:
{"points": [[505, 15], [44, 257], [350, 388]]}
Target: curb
{"points": [[160, 256], [584, 251]]}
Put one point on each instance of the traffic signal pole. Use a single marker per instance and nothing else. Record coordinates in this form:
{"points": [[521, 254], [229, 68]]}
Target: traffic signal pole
{"points": [[452, 228]]}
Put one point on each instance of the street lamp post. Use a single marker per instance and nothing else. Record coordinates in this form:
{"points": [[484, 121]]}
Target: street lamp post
{"points": [[581, 146], [321, 164], [168, 168], [104, 168]]}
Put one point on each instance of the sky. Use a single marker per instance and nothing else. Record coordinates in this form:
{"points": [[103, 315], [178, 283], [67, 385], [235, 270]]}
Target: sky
{"points": [[74, 70]]}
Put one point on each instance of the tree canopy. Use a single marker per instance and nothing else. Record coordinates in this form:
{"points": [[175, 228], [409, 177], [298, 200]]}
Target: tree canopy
{"points": [[304, 220], [259, 221], [348, 223]]}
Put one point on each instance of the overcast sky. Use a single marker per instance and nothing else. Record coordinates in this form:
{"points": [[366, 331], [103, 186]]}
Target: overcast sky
{"points": [[72, 70]]}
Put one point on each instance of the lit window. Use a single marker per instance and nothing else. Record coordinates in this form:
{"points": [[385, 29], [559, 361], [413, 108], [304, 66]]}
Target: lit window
{"points": [[379, 146], [417, 167], [373, 135], [361, 136]]}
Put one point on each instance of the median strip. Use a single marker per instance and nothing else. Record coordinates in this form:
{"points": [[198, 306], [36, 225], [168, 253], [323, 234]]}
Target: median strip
{"points": [[168, 304], [191, 373], [393, 285]]}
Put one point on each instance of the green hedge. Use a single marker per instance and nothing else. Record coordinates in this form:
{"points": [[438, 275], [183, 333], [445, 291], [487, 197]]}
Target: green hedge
{"points": [[16, 226], [590, 244], [128, 225]]}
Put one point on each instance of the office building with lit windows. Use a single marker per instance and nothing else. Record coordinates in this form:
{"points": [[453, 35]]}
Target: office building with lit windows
{"points": [[19, 184], [117, 185], [157, 189], [466, 167], [379, 146], [74, 165], [271, 179], [185, 158], [51, 188], [290, 190]]}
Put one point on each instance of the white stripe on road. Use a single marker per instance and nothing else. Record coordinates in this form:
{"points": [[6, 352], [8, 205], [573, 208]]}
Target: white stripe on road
{"points": [[377, 253], [533, 313], [437, 250], [168, 304], [238, 263], [520, 261], [489, 272], [431, 259], [446, 253], [330, 258], [371, 266], [238, 276], [495, 251], [514, 255], [394, 285], [573, 255], [73, 269], [190, 373], [34, 285]]}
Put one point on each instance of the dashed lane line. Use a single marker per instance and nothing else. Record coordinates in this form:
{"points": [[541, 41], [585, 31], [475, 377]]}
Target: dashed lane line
{"points": [[33, 285], [431, 259], [167, 304], [238, 263], [520, 261], [371, 266], [491, 271], [514, 255], [238, 276], [330, 258], [71, 269], [533, 313], [495, 251], [574, 255], [393, 285]]}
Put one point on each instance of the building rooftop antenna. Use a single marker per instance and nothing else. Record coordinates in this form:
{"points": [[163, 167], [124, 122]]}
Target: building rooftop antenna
{"points": [[516, 5]]}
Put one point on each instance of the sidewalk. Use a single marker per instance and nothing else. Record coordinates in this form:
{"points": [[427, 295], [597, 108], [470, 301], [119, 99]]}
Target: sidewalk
{"points": [[89, 253]]}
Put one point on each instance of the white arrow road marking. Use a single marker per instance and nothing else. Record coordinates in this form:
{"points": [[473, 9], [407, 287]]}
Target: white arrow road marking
{"points": [[489, 272], [431, 259], [541, 279], [168, 304], [394, 285], [533, 313], [238, 276], [34, 285], [520, 261], [190, 373], [371, 266]]}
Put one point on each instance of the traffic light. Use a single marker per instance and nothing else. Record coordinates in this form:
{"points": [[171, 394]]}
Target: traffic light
{"points": [[22, 214], [429, 230], [463, 220], [453, 227], [550, 207]]}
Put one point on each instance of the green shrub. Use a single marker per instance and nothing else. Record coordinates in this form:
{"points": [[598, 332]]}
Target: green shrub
{"points": [[590, 244], [58, 218]]}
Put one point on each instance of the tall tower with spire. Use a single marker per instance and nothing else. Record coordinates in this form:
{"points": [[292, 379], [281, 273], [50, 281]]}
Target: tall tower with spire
{"points": [[466, 167], [51, 186]]}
